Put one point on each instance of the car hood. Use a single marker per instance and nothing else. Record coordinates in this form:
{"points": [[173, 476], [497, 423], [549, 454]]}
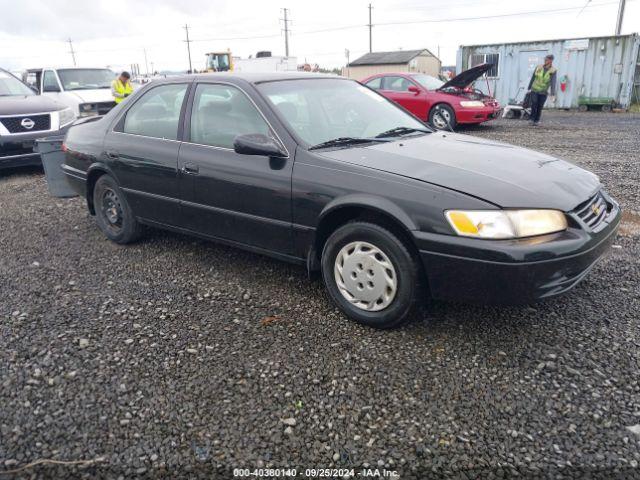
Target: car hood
{"points": [[93, 96], [27, 104], [505, 175], [466, 78]]}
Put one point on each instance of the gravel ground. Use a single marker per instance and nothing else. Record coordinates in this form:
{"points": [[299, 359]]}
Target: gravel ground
{"points": [[180, 358]]}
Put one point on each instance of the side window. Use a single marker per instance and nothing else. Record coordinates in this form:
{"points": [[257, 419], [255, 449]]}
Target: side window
{"points": [[50, 82], [220, 113], [376, 83], [396, 84], [157, 113]]}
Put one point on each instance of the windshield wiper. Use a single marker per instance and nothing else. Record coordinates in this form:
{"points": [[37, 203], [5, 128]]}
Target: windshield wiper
{"points": [[345, 141], [399, 131]]}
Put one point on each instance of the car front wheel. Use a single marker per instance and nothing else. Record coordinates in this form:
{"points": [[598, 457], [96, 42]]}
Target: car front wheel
{"points": [[442, 117], [113, 214], [370, 274]]}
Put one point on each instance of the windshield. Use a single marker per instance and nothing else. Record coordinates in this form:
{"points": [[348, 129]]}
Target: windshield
{"points": [[319, 110], [86, 78], [10, 85], [428, 82]]}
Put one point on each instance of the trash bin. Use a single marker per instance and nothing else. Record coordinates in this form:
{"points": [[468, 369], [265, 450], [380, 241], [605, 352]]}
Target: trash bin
{"points": [[50, 150]]}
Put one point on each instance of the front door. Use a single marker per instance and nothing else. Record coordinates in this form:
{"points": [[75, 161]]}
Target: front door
{"points": [[397, 89], [242, 198], [142, 152]]}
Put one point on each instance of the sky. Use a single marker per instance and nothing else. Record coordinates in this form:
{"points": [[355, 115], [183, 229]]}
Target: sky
{"points": [[35, 33]]}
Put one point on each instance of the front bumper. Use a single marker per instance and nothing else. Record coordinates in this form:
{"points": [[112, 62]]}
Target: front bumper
{"points": [[511, 272], [477, 115], [17, 150]]}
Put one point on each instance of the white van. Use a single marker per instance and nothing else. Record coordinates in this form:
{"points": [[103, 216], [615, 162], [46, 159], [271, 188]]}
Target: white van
{"points": [[86, 90]]}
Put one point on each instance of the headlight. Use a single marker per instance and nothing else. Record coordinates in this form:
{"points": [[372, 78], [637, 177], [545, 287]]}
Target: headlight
{"points": [[66, 116], [87, 109], [500, 224], [472, 104]]}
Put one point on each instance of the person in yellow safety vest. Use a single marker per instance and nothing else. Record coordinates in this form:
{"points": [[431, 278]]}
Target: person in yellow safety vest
{"points": [[121, 87], [543, 78]]}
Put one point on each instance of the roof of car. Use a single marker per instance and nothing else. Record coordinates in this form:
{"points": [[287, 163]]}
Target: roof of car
{"points": [[254, 77]]}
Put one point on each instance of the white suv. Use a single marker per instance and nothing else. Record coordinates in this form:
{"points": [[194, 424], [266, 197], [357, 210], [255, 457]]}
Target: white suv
{"points": [[87, 91]]}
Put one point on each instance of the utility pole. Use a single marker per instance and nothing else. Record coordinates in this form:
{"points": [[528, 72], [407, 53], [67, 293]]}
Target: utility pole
{"points": [[186, 29], [620, 17], [346, 54], [146, 64], [286, 31], [73, 54], [370, 25]]}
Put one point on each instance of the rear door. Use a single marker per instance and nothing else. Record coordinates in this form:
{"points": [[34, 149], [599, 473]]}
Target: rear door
{"points": [[241, 198], [142, 152]]}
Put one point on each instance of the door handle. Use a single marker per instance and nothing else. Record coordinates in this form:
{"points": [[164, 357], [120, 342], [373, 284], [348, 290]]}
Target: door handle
{"points": [[112, 155], [190, 169]]}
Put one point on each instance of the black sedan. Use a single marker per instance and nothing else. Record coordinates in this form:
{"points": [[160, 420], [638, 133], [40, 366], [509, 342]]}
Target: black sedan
{"points": [[324, 172]]}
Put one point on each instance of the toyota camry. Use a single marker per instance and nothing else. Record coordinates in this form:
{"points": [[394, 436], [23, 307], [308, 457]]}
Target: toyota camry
{"points": [[327, 173]]}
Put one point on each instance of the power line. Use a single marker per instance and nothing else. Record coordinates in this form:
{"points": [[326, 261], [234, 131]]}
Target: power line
{"points": [[503, 15], [186, 29]]}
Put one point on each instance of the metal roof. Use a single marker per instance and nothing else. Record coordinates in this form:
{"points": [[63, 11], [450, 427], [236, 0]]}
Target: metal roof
{"points": [[551, 40], [388, 58]]}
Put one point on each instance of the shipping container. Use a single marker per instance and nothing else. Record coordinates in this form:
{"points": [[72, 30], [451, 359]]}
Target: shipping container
{"points": [[588, 68]]}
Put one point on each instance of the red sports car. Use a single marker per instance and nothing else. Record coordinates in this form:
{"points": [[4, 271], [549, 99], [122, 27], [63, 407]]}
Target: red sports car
{"points": [[440, 103]]}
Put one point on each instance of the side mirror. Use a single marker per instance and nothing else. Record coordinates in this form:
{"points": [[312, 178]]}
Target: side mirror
{"points": [[413, 89], [257, 144], [35, 89]]}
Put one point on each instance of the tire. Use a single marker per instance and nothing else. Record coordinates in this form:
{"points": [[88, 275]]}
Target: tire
{"points": [[510, 114], [113, 214], [583, 108], [606, 108], [343, 271], [439, 113]]}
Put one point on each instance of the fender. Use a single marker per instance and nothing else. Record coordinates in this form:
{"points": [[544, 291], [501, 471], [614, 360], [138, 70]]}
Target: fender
{"points": [[96, 166], [371, 202], [384, 205]]}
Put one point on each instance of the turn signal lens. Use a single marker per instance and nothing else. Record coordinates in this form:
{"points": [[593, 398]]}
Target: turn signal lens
{"points": [[502, 224]]}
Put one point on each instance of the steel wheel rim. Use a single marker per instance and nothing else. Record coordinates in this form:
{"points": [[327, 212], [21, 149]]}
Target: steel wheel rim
{"points": [[441, 118], [112, 210], [365, 276]]}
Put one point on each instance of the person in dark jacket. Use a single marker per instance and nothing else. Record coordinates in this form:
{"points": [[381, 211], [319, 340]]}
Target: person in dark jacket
{"points": [[542, 80]]}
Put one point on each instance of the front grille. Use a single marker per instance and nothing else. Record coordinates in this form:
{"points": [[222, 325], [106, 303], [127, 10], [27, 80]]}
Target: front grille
{"points": [[14, 124], [104, 107], [593, 211]]}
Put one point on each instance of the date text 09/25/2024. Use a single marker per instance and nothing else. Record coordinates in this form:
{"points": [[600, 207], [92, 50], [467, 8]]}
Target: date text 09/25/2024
{"points": [[315, 473]]}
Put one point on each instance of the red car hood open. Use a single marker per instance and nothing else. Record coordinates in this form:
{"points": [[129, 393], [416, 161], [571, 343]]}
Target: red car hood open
{"points": [[466, 78]]}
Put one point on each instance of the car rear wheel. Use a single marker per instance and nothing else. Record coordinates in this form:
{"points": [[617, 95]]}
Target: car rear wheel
{"points": [[442, 116], [370, 275], [113, 214]]}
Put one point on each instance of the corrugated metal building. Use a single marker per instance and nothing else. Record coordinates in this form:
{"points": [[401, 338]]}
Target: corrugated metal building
{"points": [[420, 61], [589, 67]]}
